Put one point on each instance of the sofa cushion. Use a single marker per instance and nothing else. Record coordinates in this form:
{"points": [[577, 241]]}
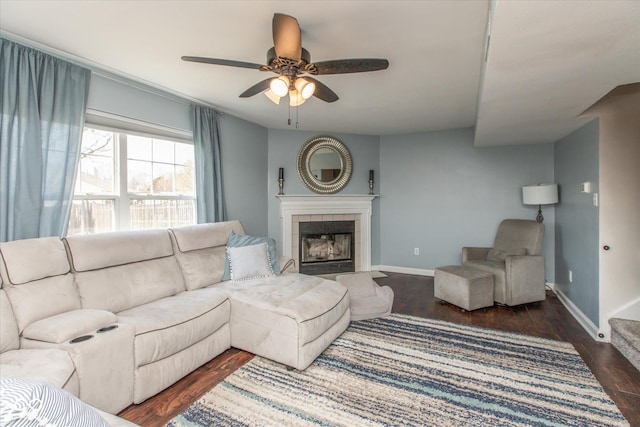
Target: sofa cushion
{"points": [[308, 300], [236, 240], [201, 236], [54, 407], [9, 337], [169, 325], [43, 298], [96, 251], [201, 251], [65, 326], [249, 262], [51, 365], [34, 259], [290, 318], [122, 287]]}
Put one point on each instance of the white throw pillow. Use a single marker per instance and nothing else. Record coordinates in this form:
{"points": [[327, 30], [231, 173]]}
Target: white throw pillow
{"points": [[249, 262], [35, 403]]}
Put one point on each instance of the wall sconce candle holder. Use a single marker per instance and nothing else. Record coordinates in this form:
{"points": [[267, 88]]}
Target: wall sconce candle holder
{"points": [[371, 182], [281, 181]]}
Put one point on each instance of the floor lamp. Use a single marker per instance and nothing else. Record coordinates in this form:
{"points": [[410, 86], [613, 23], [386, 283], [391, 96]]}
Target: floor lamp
{"points": [[541, 194]]}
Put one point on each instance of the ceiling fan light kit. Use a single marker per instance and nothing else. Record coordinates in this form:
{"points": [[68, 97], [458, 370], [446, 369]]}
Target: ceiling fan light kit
{"points": [[272, 96], [290, 61], [280, 86], [305, 87], [295, 98]]}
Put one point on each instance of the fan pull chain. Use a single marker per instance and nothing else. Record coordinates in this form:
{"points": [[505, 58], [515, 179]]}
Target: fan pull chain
{"points": [[297, 117], [289, 121]]}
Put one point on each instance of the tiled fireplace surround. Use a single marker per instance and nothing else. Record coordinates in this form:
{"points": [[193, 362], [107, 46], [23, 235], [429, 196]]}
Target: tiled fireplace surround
{"points": [[296, 209]]}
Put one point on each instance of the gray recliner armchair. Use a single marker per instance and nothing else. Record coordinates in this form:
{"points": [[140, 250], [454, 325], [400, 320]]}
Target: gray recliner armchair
{"points": [[516, 262]]}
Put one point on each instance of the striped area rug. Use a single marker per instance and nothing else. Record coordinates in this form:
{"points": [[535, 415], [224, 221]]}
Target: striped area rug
{"points": [[403, 370]]}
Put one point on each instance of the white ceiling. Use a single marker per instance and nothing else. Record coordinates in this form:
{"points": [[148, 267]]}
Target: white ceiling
{"points": [[548, 60]]}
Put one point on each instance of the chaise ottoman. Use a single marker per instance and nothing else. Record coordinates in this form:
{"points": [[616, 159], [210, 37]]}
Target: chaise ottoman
{"points": [[465, 287], [290, 318]]}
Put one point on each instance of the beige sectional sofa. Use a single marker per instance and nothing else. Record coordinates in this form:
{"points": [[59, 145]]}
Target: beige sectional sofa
{"points": [[115, 318]]}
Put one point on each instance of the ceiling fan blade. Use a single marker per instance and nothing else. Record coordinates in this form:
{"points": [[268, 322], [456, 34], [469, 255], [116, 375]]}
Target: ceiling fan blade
{"points": [[256, 88], [322, 91], [286, 36], [344, 66], [226, 62]]}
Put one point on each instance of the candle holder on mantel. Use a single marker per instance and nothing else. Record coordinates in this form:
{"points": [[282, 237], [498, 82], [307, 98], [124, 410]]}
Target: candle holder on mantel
{"points": [[281, 181], [371, 182]]}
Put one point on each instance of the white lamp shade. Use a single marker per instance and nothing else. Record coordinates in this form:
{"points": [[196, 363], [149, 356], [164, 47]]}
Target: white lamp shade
{"points": [[543, 194], [280, 86], [295, 98], [305, 87], [272, 96]]}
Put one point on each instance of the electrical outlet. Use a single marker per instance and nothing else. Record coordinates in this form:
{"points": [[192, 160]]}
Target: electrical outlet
{"points": [[416, 251], [570, 276]]}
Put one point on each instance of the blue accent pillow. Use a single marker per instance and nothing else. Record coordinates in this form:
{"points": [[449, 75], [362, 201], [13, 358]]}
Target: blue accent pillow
{"points": [[239, 240]]}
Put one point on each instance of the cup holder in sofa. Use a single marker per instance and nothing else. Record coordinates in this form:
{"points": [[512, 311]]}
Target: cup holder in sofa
{"points": [[107, 329], [81, 339]]}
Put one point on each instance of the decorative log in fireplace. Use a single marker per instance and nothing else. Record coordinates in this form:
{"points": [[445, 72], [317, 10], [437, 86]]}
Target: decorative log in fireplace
{"points": [[327, 247]]}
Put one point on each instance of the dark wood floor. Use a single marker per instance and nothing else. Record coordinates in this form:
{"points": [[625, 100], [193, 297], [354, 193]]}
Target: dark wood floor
{"points": [[414, 296]]}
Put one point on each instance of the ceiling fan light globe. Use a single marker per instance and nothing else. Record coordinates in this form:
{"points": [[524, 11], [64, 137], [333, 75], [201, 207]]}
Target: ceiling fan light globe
{"points": [[295, 98], [272, 96], [280, 86], [305, 88]]}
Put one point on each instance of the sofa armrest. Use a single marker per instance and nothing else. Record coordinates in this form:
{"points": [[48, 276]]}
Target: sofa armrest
{"points": [[526, 276], [287, 265], [66, 326], [474, 254]]}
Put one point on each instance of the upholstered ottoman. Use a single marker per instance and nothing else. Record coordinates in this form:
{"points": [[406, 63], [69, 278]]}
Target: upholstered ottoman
{"points": [[465, 287], [368, 299]]}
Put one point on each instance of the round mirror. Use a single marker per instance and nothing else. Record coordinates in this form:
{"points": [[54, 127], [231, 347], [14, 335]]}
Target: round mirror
{"points": [[324, 165]]}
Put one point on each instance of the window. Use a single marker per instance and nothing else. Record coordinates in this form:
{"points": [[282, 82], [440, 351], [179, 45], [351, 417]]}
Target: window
{"points": [[134, 182]]}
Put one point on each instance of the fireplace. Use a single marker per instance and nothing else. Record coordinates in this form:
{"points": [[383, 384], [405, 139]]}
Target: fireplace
{"points": [[295, 209], [326, 247]]}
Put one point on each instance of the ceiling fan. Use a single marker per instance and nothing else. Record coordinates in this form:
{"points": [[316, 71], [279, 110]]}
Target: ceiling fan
{"points": [[292, 63]]}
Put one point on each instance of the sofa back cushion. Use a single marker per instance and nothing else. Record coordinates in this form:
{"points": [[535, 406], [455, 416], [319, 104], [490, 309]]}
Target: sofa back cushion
{"points": [[200, 251], [120, 270], [9, 338], [37, 279], [516, 234]]}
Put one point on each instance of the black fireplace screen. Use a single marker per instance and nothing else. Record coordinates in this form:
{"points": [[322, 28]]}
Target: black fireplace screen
{"points": [[327, 247]]}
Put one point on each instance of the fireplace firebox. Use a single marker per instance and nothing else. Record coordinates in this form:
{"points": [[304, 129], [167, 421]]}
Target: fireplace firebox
{"points": [[327, 247]]}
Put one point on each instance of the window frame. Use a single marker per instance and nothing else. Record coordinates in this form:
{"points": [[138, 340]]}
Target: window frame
{"points": [[121, 196]]}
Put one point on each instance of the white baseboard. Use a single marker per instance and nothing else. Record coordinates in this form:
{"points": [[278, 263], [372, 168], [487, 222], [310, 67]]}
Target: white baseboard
{"points": [[577, 314], [404, 270]]}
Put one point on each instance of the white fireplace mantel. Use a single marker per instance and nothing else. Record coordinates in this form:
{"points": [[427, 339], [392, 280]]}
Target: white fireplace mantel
{"points": [[291, 205]]}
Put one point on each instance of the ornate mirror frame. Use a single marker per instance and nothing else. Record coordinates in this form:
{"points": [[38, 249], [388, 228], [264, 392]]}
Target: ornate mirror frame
{"points": [[304, 161]]}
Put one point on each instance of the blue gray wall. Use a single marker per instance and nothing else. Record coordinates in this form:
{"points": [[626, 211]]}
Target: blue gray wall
{"points": [[135, 101], [283, 151], [244, 152], [577, 220], [439, 193]]}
